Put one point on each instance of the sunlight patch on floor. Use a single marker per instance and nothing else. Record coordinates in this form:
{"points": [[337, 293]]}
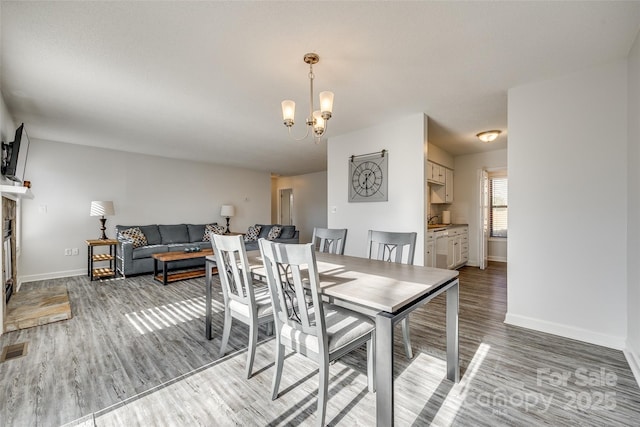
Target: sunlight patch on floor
{"points": [[157, 318], [459, 393]]}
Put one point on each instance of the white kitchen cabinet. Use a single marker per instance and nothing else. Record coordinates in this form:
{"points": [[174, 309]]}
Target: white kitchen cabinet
{"points": [[457, 247], [443, 193], [435, 173], [448, 186], [430, 258]]}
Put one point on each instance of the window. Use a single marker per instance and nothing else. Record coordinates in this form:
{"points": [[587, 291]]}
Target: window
{"points": [[498, 209]]}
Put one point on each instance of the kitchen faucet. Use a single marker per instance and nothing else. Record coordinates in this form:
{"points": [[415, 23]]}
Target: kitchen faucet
{"points": [[432, 217]]}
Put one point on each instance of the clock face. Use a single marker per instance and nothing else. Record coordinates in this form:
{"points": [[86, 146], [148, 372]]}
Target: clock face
{"points": [[368, 178]]}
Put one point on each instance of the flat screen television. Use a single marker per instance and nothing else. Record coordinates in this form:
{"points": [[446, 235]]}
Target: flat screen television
{"points": [[14, 156]]}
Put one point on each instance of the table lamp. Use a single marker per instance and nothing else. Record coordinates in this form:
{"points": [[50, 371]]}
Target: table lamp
{"points": [[227, 211], [102, 208]]}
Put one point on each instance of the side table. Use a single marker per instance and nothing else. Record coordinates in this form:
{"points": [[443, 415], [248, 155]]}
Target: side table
{"points": [[101, 272]]}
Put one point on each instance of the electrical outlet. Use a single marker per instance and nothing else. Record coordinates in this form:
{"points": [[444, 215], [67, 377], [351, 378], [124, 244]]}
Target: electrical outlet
{"points": [[75, 251], [67, 252]]}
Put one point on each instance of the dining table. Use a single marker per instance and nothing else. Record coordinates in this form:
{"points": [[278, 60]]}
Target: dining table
{"points": [[386, 291]]}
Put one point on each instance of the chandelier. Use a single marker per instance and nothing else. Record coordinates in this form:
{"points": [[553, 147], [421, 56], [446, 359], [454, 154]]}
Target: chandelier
{"points": [[317, 120]]}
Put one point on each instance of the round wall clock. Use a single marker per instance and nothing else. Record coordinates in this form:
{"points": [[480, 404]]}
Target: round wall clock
{"points": [[368, 177]]}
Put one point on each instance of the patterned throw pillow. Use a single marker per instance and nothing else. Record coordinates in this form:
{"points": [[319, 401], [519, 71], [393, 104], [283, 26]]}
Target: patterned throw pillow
{"points": [[274, 233], [252, 233], [212, 228], [135, 235]]}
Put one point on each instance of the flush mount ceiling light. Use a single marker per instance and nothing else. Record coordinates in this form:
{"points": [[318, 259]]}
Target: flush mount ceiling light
{"points": [[317, 120], [489, 136]]}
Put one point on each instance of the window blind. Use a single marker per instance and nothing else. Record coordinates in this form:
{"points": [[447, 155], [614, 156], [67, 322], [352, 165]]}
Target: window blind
{"points": [[499, 204]]}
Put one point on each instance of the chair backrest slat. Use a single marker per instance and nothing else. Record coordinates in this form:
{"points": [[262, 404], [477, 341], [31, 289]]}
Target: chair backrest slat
{"points": [[391, 246], [331, 240]]}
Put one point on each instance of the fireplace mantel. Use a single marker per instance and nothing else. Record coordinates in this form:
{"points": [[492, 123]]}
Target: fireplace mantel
{"points": [[16, 192]]}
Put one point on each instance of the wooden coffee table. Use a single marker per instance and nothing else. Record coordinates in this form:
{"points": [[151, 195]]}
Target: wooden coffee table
{"points": [[165, 258]]}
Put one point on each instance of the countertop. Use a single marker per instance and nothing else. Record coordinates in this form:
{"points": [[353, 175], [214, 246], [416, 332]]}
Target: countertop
{"points": [[438, 227]]}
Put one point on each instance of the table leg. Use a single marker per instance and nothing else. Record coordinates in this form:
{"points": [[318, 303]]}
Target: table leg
{"points": [[90, 263], [384, 369], [164, 273], [208, 280], [453, 360]]}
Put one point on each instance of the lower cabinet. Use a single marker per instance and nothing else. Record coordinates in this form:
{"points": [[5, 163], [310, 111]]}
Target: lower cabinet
{"points": [[457, 247], [430, 260]]}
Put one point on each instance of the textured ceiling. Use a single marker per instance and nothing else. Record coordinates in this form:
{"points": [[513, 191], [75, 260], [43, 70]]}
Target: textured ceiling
{"points": [[204, 80]]}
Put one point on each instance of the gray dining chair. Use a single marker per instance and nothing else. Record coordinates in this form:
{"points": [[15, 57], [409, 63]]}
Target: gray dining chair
{"points": [[331, 240], [242, 301], [321, 331], [394, 247]]}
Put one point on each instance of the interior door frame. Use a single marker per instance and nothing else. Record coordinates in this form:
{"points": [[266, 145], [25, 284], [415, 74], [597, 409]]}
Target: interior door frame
{"points": [[282, 194], [483, 219]]}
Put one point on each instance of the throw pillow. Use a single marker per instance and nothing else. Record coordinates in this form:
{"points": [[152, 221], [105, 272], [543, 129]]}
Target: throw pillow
{"points": [[135, 235], [252, 233], [212, 228], [274, 233]]}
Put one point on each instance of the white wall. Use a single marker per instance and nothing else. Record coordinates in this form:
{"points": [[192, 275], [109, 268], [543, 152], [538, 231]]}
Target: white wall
{"points": [[633, 195], [465, 208], [309, 201], [567, 205], [440, 156], [145, 190], [406, 142]]}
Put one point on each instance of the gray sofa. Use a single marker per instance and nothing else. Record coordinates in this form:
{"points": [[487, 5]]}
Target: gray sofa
{"points": [[289, 234], [176, 237], [160, 238]]}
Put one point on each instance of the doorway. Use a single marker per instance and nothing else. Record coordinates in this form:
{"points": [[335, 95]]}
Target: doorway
{"points": [[286, 206], [492, 224]]}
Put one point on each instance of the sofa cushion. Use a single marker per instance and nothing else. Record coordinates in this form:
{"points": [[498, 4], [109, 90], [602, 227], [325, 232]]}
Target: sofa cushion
{"points": [[147, 251], [212, 228], [288, 232], [274, 233], [196, 232], [174, 233], [150, 232], [135, 235], [264, 230], [252, 233]]}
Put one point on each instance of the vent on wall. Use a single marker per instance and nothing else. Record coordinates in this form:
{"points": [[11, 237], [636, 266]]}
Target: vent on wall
{"points": [[13, 351]]}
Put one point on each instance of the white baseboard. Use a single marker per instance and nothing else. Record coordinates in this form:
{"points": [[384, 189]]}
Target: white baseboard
{"points": [[47, 276], [497, 258], [633, 358], [566, 331]]}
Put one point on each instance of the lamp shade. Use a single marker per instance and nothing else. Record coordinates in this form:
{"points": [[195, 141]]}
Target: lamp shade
{"points": [[319, 126], [288, 110], [326, 102], [227, 210], [102, 208]]}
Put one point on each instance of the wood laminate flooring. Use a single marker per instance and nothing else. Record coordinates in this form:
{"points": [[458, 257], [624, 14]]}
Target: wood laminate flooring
{"points": [[134, 354]]}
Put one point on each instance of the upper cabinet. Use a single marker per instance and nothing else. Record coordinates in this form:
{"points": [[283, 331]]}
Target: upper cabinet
{"points": [[448, 186], [435, 173], [443, 177]]}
